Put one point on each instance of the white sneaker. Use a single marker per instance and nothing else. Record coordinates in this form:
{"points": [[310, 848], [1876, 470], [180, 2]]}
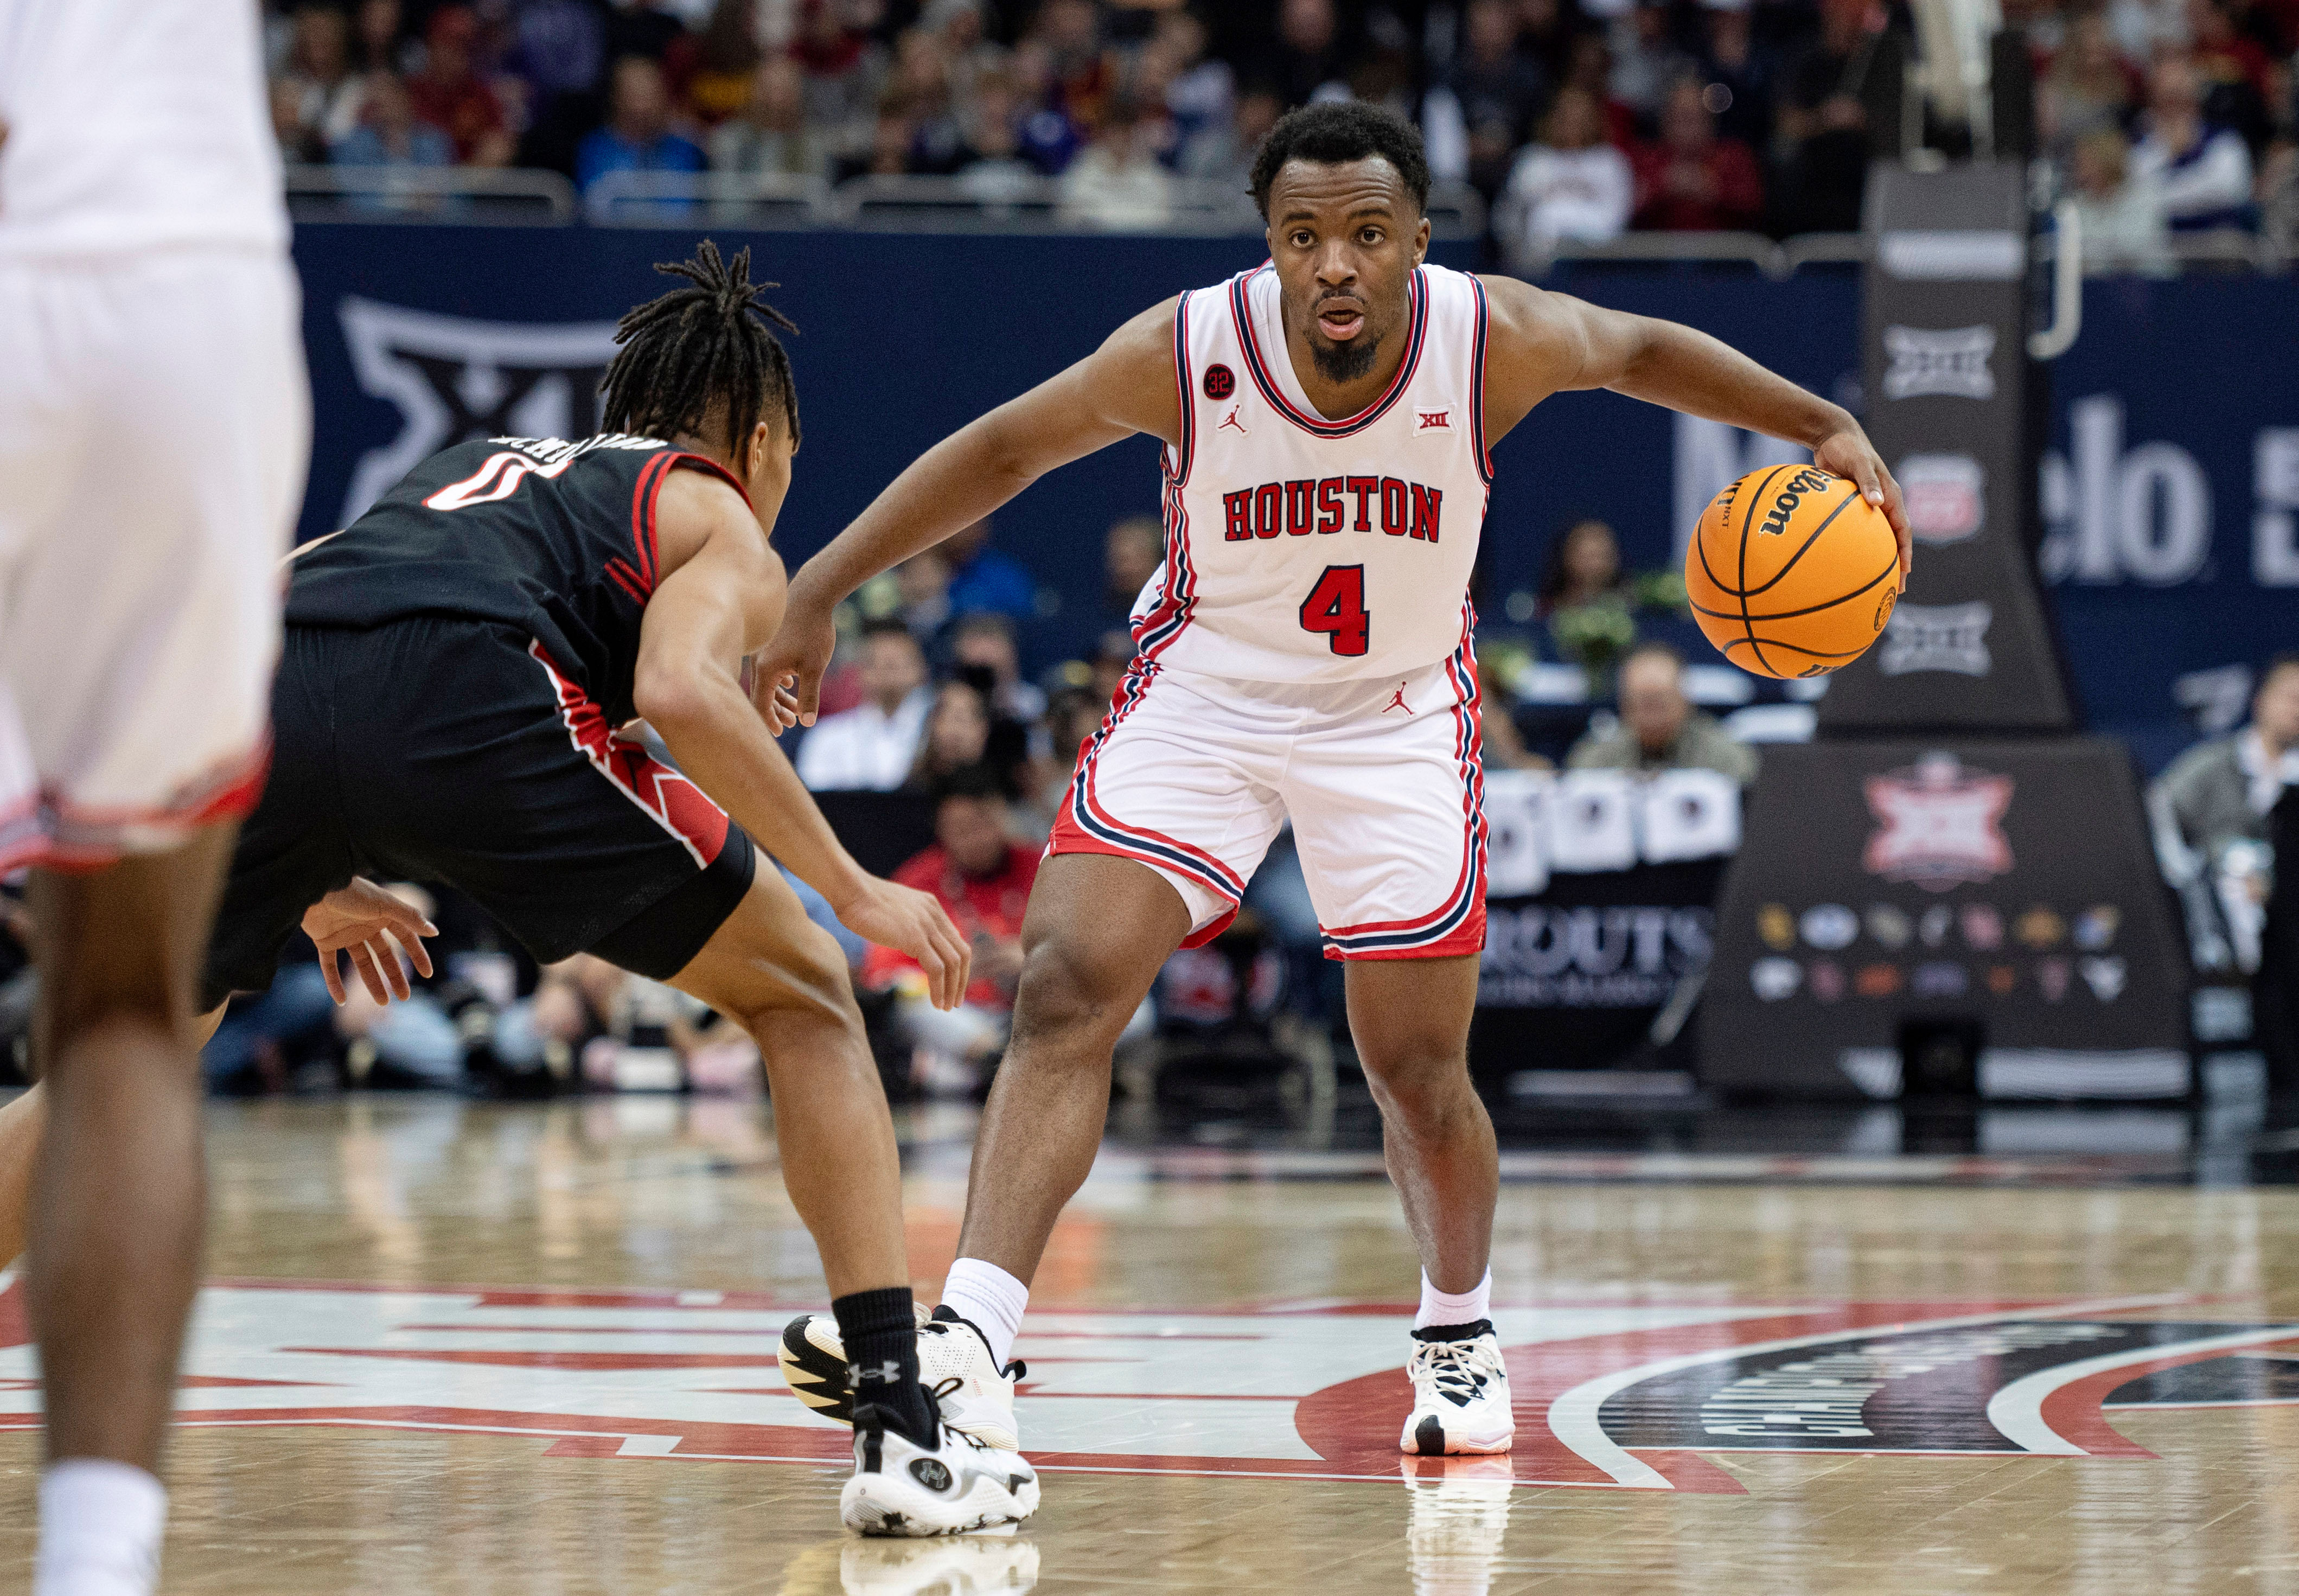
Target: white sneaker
{"points": [[947, 1565], [1460, 1395], [956, 1484], [981, 1403]]}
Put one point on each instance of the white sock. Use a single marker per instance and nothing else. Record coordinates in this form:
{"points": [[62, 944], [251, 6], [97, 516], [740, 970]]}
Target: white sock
{"points": [[1441, 1308], [100, 1525], [991, 1298]]}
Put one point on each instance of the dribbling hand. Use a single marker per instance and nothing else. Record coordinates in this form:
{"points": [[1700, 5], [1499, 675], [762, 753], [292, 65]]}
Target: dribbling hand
{"points": [[787, 686], [1849, 453], [913, 923], [364, 920]]}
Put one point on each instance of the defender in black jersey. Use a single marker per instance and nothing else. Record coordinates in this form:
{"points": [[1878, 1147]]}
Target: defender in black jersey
{"points": [[460, 665]]}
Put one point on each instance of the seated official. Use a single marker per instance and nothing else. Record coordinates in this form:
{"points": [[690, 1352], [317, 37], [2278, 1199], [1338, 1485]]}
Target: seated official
{"points": [[873, 744], [1659, 730], [2219, 795], [983, 877]]}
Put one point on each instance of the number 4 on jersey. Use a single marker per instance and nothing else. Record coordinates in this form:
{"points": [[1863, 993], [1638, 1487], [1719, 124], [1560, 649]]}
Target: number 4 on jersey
{"points": [[1336, 607]]}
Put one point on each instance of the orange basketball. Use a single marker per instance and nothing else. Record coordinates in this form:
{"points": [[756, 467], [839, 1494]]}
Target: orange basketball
{"points": [[1791, 572]]}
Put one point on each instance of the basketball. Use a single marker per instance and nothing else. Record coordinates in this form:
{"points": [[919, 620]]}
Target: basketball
{"points": [[1791, 572]]}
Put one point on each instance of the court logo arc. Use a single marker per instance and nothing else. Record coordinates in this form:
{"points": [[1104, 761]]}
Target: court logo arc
{"points": [[1636, 1396]]}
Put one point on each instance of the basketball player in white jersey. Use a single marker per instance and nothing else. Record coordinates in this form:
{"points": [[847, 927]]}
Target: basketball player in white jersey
{"points": [[154, 425], [1306, 654]]}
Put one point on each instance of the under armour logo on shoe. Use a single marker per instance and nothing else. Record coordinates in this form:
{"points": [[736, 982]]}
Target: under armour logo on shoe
{"points": [[889, 1373], [1398, 702]]}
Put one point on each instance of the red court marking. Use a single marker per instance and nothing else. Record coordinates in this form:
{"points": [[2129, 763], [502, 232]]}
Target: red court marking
{"points": [[2076, 1412]]}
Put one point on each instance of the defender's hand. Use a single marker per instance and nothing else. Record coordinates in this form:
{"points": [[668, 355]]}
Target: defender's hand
{"points": [[913, 923], [1849, 453], [787, 686], [363, 921]]}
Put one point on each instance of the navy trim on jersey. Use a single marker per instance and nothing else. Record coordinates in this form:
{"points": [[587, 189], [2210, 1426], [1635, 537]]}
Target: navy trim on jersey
{"points": [[1477, 385], [1241, 310], [1187, 390]]}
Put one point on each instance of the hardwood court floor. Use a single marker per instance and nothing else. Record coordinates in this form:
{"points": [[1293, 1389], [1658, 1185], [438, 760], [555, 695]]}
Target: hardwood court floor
{"points": [[465, 1349]]}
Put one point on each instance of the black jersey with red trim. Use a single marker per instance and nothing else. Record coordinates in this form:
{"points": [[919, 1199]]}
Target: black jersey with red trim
{"points": [[552, 537]]}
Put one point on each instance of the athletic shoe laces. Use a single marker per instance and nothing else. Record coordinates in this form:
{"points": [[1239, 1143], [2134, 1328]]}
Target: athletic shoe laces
{"points": [[1458, 1369]]}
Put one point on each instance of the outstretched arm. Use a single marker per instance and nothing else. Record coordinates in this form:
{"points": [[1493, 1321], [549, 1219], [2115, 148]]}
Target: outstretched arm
{"points": [[1123, 387], [720, 603], [1542, 343]]}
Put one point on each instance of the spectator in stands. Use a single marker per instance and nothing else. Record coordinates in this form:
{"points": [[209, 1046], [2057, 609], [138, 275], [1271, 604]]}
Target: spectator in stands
{"points": [[982, 878], [921, 77], [2201, 171], [727, 58], [449, 94], [982, 577], [559, 49], [844, 71], [389, 134], [985, 640], [1659, 730], [771, 135], [1584, 567], [2090, 88], [956, 735], [1824, 124], [1085, 75], [2236, 77], [1741, 73], [1199, 94], [1691, 181], [298, 145], [1307, 56], [1589, 66], [968, 56], [875, 743], [2121, 215], [324, 91], [1116, 182], [1499, 90], [1113, 656], [2218, 794], [998, 171], [637, 137], [650, 29], [1545, 29], [1049, 134], [1131, 554], [888, 153], [1571, 185], [922, 594], [381, 41], [1226, 157], [1646, 59]]}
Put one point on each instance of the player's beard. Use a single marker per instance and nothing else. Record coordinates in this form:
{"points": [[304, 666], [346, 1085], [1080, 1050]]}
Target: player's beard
{"points": [[1344, 362]]}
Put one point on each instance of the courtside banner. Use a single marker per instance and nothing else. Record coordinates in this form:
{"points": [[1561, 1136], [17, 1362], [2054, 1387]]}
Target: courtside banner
{"points": [[2005, 881]]}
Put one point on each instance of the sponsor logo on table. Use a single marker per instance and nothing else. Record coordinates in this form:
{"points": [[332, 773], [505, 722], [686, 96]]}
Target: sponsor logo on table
{"points": [[1944, 497], [1945, 637], [1951, 362], [1941, 824]]}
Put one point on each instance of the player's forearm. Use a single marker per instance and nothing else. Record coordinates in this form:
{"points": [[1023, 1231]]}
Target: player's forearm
{"points": [[725, 749], [947, 489], [1686, 369]]}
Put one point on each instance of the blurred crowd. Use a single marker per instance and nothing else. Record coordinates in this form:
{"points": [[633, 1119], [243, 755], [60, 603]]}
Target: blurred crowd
{"points": [[1577, 119]]}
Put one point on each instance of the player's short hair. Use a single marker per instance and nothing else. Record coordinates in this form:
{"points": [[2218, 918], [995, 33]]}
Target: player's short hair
{"points": [[979, 783], [700, 353], [2276, 665], [888, 625], [982, 623], [1338, 131]]}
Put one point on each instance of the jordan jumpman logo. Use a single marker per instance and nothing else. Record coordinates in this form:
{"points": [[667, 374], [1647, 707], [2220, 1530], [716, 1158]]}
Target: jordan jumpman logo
{"points": [[1398, 702]]}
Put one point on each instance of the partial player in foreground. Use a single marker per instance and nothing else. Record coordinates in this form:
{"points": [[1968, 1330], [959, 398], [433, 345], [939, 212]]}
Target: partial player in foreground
{"points": [[458, 665], [1305, 654], [154, 419]]}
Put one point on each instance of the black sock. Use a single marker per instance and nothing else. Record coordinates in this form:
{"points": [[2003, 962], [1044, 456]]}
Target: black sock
{"points": [[880, 1332], [1453, 1331]]}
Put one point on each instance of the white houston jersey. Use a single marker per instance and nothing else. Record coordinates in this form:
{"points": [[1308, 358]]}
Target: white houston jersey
{"points": [[135, 124], [1300, 548]]}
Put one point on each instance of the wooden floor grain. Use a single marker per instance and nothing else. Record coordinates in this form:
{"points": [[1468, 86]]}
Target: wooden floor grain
{"points": [[454, 1348]]}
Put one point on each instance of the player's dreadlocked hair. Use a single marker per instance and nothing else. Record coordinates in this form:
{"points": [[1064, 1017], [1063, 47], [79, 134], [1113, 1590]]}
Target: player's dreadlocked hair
{"points": [[702, 351]]}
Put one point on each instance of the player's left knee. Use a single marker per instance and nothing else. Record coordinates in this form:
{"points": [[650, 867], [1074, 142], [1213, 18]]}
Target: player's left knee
{"points": [[1415, 1081]]}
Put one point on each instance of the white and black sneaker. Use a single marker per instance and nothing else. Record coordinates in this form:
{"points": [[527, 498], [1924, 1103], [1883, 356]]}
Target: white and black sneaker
{"points": [[952, 1484], [981, 1403], [1460, 1392]]}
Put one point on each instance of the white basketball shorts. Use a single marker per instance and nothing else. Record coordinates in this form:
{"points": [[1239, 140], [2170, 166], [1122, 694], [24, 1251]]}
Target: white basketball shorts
{"points": [[154, 425], [1383, 779]]}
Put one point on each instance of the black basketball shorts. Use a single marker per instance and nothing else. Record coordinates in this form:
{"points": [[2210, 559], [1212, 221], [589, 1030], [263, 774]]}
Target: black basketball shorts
{"points": [[446, 750]]}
